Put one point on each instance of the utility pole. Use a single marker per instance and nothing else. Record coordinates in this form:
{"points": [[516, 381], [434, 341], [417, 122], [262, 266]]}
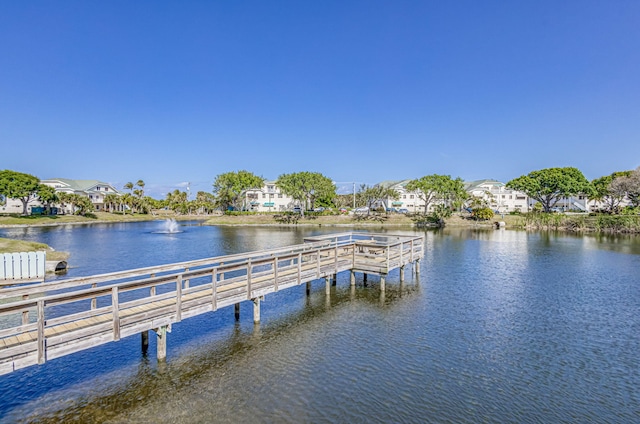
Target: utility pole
{"points": [[354, 195]]}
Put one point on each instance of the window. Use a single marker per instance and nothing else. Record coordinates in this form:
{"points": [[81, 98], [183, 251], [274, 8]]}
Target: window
{"points": [[411, 196], [279, 195], [511, 196], [264, 196]]}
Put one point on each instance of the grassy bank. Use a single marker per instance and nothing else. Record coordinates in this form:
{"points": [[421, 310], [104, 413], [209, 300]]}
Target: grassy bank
{"points": [[14, 246], [35, 220], [390, 220]]}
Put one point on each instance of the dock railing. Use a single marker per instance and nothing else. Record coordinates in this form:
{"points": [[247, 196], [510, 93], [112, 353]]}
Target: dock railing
{"points": [[45, 321]]}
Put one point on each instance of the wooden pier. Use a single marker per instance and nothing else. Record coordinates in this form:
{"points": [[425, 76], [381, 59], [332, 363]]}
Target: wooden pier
{"points": [[45, 321]]}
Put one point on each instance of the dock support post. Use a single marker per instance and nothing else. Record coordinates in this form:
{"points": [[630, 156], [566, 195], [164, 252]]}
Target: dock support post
{"points": [[335, 279], [162, 343], [402, 273], [327, 285], [237, 311], [353, 278], [382, 282], [144, 339], [256, 310], [308, 288], [418, 268], [364, 279]]}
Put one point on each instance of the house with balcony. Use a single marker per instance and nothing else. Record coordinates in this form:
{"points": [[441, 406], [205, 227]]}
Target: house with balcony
{"points": [[409, 200], [93, 189], [498, 196], [267, 198]]}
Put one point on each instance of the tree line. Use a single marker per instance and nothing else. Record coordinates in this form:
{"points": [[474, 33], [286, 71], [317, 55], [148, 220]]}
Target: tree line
{"points": [[440, 193]]}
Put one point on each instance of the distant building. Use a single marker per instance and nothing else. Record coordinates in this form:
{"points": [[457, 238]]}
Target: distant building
{"points": [[409, 200], [498, 196], [93, 189], [267, 198]]}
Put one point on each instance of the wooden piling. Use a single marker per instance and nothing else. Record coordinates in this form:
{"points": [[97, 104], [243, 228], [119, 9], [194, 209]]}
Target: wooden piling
{"points": [[162, 343], [144, 340], [308, 288], [382, 283], [334, 279], [402, 273], [256, 310], [236, 308], [327, 285], [353, 278]]}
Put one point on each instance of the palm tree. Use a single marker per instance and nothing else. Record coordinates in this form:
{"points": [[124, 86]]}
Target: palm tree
{"points": [[140, 184], [128, 186], [110, 200]]}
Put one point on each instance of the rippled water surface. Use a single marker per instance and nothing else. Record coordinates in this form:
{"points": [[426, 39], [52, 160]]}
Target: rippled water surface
{"points": [[502, 326]]}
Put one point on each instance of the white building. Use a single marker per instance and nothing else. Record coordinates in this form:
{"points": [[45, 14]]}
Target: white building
{"points": [[409, 200], [498, 196], [268, 198], [93, 189]]}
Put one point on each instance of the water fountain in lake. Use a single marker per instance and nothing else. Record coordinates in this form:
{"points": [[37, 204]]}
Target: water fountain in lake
{"points": [[170, 226]]}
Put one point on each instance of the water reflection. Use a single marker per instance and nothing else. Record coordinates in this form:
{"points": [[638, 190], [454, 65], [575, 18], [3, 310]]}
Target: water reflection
{"points": [[502, 326]]}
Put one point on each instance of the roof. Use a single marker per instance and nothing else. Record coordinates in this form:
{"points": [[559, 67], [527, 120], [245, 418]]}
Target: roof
{"points": [[472, 185], [79, 185]]}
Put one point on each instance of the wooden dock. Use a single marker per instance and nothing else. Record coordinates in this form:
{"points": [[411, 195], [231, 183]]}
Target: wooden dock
{"points": [[45, 321]]}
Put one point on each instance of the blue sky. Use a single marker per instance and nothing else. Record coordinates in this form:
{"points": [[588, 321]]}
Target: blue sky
{"points": [[173, 92]]}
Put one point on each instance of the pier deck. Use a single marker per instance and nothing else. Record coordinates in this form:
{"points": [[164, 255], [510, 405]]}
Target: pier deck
{"points": [[49, 320]]}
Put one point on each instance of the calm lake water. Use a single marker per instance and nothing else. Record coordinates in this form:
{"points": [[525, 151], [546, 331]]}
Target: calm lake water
{"points": [[503, 326]]}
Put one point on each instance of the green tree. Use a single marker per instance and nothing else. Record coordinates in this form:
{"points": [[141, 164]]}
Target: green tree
{"points": [[369, 196], [229, 187], [82, 204], [47, 195], [16, 185], [482, 214], [306, 187], [141, 184], [205, 202], [438, 189], [548, 186], [630, 185], [110, 200], [610, 190], [177, 201]]}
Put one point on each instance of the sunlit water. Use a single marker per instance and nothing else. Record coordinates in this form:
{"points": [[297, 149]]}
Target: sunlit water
{"points": [[503, 326]]}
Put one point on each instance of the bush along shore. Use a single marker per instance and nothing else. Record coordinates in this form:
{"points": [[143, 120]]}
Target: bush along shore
{"points": [[629, 224]]}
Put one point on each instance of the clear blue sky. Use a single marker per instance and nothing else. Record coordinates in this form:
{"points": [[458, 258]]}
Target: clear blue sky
{"points": [[365, 91]]}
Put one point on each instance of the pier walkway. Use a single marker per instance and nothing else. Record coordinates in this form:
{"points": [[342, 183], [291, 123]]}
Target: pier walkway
{"points": [[45, 321]]}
